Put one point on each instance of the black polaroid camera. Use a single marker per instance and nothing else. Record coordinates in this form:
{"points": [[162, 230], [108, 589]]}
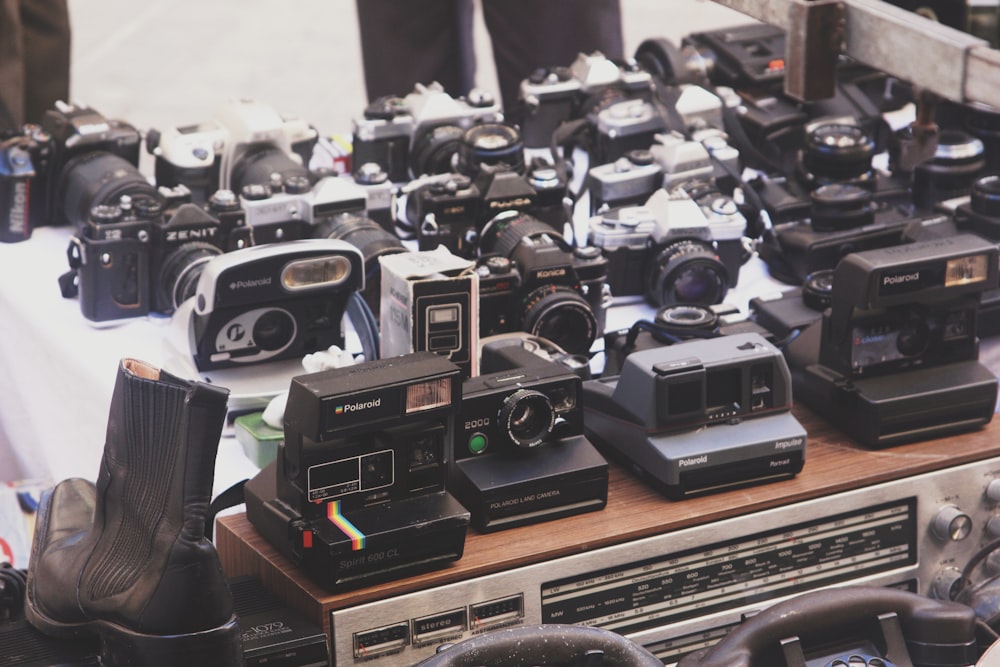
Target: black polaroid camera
{"points": [[271, 302], [699, 416], [531, 280], [682, 246], [418, 134], [245, 143], [24, 158], [895, 357], [357, 493], [141, 255], [520, 453]]}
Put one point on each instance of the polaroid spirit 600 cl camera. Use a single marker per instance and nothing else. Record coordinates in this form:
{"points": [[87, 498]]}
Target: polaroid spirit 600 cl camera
{"points": [[357, 492], [895, 357], [699, 416]]}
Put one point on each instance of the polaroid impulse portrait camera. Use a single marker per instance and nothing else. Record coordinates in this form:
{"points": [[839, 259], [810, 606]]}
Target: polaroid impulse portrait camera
{"points": [[271, 302], [357, 492], [699, 416], [520, 454], [895, 357]]}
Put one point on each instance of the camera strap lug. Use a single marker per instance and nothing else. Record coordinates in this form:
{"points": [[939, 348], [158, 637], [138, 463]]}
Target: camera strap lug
{"points": [[69, 287]]}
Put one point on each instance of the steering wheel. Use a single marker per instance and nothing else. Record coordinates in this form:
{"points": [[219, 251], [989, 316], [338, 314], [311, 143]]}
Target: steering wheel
{"points": [[547, 644]]}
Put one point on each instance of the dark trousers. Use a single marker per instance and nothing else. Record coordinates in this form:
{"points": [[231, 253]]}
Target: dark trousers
{"points": [[404, 42], [34, 59]]}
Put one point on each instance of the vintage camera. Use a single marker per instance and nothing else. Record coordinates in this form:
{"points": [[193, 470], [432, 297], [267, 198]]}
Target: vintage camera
{"points": [[553, 95], [144, 255], [629, 180], [357, 493], [516, 349], [418, 134], [842, 219], [520, 453], [24, 159], [245, 143], [699, 416], [271, 302], [959, 159], [531, 280], [682, 246], [895, 357]]}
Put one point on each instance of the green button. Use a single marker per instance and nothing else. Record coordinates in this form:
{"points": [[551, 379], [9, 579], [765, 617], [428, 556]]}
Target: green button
{"points": [[477, 443]]}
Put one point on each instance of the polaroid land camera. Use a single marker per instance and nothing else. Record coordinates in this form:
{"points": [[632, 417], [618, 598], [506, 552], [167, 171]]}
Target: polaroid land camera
{"points": [[357, 493], [699, 416], [895, 357]]}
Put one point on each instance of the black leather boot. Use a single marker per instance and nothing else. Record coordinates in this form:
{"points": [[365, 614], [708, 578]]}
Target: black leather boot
{"points": [[128, 558]]}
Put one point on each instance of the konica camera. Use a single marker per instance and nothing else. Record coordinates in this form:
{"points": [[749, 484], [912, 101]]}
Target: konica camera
{"points": [[244, 143], [895, 357], [532, 280], [682, 246], [357, 493], [520, 453], [23, 160], [141, 255], [699, 416], [270, 302], [553, 95], [419, 133]]}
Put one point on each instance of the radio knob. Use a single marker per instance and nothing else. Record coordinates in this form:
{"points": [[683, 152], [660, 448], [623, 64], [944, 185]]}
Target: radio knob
{"points": [[952, 524], [993, 490], [993, 527], [945, 583]]}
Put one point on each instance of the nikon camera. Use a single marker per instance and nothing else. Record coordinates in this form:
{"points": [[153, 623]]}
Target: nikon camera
{"points": [[357, 493]]}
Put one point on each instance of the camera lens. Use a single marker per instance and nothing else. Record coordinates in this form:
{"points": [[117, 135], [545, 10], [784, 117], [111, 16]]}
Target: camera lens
{"points": [[562, 316], [273, 330], [687, 316], [958, 159], [838, 152], [528, 417], [984, 122], [817, 290], [179, 273], [985, 197], [913, 338], [491, 145], [435, 150], [257, 165], [840, 206], [687, 272], [99, 178], [504, 233]]}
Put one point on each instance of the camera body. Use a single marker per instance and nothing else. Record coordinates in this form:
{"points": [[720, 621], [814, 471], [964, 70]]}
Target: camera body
{"points": [[622, 126], [531, 280], [418, 134], [895, 357], [357, 493], [629, 180], [24, 160], [553, 95], [271, 302], [686, 243], [520, 453], [244, 143], [699, 416]]}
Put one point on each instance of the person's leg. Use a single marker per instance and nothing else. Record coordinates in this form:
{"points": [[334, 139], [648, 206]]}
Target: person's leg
{"points": [[47, 53], [528, 34], [11, 66], [404, 42]]}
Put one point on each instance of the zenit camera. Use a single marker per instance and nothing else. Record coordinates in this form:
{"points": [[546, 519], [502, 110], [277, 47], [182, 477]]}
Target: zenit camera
{"points": [[682, 246], [699, 416], [530, 279], [420, 133], [244, 143], [271, 302], [520, 454], [895, 357], [357, 493]]}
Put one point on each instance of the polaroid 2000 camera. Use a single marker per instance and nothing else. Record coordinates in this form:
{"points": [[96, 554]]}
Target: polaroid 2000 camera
{"points": [[896, 356], [700, 416]]}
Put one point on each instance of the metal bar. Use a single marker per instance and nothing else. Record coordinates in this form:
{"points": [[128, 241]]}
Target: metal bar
{"points": [[941, 59]]}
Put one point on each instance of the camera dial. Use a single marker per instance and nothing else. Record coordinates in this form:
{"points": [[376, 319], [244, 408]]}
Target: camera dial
{"points": [[527, 416]]}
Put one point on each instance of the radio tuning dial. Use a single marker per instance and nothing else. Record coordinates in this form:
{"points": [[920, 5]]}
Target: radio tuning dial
{"points": [[993, 527], [945, 582], [951, 523], [993, 490]]}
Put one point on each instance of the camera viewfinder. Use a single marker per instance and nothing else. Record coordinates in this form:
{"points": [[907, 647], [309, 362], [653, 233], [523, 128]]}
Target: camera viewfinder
{"points": [[318, 272]]}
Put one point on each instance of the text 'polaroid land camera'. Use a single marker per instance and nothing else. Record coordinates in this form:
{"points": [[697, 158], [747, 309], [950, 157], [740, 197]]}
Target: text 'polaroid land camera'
{"points": [[270, 302], [521, 456], [896, 356], [700, 416], [357, 493]]}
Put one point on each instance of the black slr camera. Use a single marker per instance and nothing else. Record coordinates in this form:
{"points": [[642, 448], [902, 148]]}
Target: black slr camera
{"points": [[491, 178], [245, 143], [530, 279], [141, 255], [23, 159], [681, 247], [895, 356], [357, 493], [420, 133], [520, 453]]}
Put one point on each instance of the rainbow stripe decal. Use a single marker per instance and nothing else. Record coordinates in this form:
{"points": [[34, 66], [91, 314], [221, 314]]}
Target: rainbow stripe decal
{"points": [[345, 526]]}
